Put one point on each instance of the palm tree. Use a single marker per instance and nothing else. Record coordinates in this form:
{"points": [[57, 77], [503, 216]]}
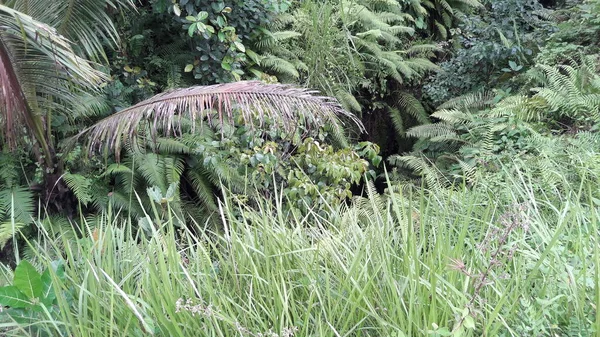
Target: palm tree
{"points": [[42, 73], [45, 46], [39, 74]]}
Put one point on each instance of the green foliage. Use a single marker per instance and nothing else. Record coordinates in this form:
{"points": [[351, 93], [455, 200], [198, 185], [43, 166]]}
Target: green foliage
{"points": [[571, 92], [16, 199], [477, 134], [363, 53], [32, 296], [458, 262], [577, 34], [176, 43], [250, 163], [488, 49], [438, 17]]}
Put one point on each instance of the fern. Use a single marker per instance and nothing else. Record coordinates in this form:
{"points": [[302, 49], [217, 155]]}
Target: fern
{"points": [[81, 187], [345, 48], [16, 211]]}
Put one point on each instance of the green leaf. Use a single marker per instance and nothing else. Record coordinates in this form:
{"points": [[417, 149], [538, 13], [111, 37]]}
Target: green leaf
{"points": [[28, 280], [210, 29], [59, 268], [176, 10], [443, 331], [225, 65], [23, 315], [11, 296], [48, 292], [202, 16], [217, 6], [171, 191], [155, 193], [191, 18], [192, 29], [513, 65], [188, 68], [469, 322], [220, 21], [239, 46]]}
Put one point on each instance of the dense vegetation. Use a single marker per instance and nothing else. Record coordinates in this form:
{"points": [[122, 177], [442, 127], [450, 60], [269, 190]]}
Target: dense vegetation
{"points": [[299, 168]]}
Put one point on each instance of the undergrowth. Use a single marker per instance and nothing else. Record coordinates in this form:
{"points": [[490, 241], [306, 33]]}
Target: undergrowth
{"points": [[460, 262]]}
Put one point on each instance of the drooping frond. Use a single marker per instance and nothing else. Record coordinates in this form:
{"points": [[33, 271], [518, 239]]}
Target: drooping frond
{"points": [[39, 72], [81, 187], [16, 204], [411, 105], [452, 116], [397, 121], [279, 65], [434, 178], [568, 90], [284, 105], [86, 23]]}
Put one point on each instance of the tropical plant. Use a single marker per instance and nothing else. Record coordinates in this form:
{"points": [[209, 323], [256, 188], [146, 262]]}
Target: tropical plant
{"points": [[477, 132], [438, 17], [39, 71], [32, 294], [250, 163], [16, 199], [364, 53], [284, 106], [487, 50], [472, 131], [577, 33], [568, 95], [45, 74]]}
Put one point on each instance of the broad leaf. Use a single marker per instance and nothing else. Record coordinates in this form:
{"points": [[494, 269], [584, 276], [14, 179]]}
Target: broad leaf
{"points": [[48, 293], [23, 315], [59, 268], [28, 280], [10, 296]]}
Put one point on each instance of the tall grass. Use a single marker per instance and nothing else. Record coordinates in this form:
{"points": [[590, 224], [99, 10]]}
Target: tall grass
{"points": [[458, 262]]}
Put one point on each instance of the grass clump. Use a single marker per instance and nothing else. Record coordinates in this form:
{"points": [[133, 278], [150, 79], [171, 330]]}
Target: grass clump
{"points": [[461, 262]]}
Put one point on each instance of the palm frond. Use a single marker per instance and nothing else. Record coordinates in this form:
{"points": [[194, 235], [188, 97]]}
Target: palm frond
{"points": [[284, 105], [84, 22], [38, 71]]}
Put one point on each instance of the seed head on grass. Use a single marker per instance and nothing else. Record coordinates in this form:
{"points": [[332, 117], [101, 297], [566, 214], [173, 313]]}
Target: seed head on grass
{"points": [[501, 251]]}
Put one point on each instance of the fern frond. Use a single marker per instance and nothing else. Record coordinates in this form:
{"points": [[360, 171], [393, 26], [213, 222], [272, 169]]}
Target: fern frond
{"points": [[411, 105], [203, 188], [17, 203], [80, 186], [348, 100], [431, 130], [279, 65], [476, 100], [397, 121], [452, 116]]}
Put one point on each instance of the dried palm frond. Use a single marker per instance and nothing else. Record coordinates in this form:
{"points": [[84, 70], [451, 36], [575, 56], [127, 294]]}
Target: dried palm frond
{"points": [[283, 105]]}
